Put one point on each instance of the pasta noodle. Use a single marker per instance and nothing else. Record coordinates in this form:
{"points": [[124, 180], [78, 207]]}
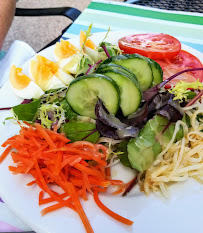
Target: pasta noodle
{"points": [[180, 160]]}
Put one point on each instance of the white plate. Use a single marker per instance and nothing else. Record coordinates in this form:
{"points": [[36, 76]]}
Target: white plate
{"points": [[182, 212]]}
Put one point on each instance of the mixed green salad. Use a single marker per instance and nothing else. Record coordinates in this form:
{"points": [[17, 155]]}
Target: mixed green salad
{"points": [[117, 96]]}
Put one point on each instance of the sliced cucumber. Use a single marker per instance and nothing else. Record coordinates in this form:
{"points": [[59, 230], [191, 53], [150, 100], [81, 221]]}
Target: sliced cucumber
{"points": [[157, 72], [136, 63], [83, 93], [130, 93], [118, 67]]}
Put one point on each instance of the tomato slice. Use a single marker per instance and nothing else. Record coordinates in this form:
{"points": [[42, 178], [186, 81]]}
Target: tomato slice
{"points": [[154, 46], [184, 60]]}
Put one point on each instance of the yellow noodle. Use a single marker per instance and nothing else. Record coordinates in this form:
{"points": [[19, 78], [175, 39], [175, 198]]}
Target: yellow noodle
{"points": [[198, 179], [179, 160]]}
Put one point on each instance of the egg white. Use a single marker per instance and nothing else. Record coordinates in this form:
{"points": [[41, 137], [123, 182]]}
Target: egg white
{"points": [[64, 77], [32, 90], [53, 83], [56, 58], [69, 65], [94, 54]]}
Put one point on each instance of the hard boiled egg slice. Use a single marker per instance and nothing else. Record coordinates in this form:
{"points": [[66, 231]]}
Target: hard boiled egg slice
{"points": [[95, 54], [48, 63], [65, 78], [90, 48], [88, 43], [22, 85], [44, 77], [64, 49]]}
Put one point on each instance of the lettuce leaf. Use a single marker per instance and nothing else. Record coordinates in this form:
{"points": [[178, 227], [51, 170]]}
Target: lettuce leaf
{"points": [[27, 112], [182, 92], [152, 139], [69, 113], [78, 131]]}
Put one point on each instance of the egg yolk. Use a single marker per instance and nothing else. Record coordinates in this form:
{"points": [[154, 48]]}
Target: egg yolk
{"points": [[65, 49], [17, 79], [46, 62]]}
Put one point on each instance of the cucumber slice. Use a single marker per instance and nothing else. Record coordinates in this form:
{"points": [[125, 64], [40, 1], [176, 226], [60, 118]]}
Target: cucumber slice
{"points": [[157, 72], [136, 63], [130, 93], [83, 93], [118, 67]]}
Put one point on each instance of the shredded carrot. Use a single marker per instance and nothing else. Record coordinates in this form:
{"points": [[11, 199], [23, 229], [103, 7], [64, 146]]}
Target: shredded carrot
{"points": [[87, 182], [31, 183], [46, 136], [12, 169], [108, 172], [119, 191], [77, 168], [124, 189], [116, 182], [109, 212], [87, 170], [5, 153], [79, 208], [50, 199], [35, 142], [41, 197], [57, 206], [58, 161], [101, 190], [55, 128]]}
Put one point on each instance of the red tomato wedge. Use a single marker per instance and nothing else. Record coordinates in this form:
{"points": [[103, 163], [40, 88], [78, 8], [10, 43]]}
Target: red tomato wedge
{"points": [[184, 60], [154, 46]]}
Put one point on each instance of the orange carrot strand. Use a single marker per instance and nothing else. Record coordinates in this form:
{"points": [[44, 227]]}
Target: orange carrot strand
{"points": [[87, 170], [40, 197], [45, 135], [58, 206], [5, 153], [31, 183], [79, 208], [110, 212]]}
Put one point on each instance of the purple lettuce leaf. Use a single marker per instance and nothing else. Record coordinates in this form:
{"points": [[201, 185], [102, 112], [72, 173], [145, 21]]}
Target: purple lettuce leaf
{"points": [[103, 115], [106, 130]]}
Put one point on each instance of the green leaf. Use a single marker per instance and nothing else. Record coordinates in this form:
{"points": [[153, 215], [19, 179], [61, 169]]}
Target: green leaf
{"points": [[54, 95], [84, 63], [112, 49], [78, 131], [27, 112], [186, 120], [69, 113], [123, 156], [106, 34], [190, 94], [181, 91], [88, 34], [152, 139]]}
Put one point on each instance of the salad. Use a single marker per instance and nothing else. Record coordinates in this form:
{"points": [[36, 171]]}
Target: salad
{"points": [[96, 106]]}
